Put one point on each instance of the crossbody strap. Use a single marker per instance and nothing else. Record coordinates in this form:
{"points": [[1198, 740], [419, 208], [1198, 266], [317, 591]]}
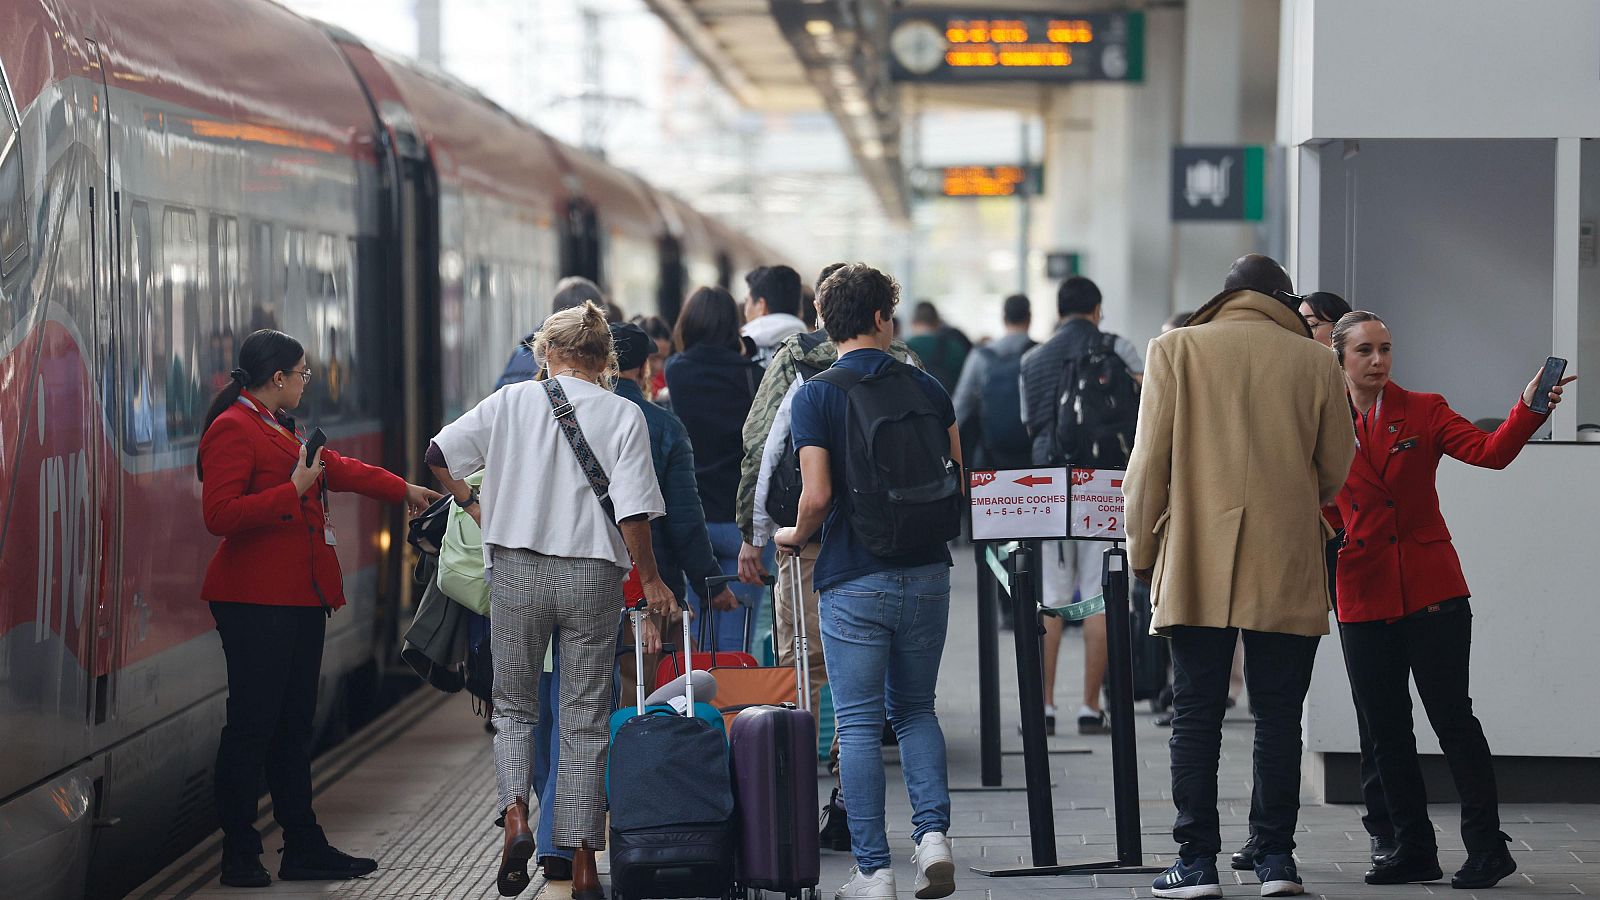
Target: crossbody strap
{"points": [[567, 418]]}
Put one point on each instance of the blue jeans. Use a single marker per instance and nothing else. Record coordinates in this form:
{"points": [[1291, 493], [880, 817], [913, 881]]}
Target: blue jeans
{"points": [[547, 757], [883, 636], [733, 628]]}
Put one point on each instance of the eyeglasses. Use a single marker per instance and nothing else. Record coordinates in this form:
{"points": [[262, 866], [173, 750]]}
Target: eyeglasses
{"points": [[305, 374]]}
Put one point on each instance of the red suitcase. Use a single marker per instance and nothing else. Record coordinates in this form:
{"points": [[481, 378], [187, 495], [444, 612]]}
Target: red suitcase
{"points": [[774, 752]]}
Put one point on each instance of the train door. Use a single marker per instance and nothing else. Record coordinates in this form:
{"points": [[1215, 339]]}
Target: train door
{"points": [[103, 442]]}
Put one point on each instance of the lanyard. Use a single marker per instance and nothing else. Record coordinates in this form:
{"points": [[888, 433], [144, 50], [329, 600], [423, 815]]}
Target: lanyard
{"points": [[274, 423]]}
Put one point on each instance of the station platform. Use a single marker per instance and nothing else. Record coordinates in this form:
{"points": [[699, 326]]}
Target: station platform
{"points": [[416, 791]]}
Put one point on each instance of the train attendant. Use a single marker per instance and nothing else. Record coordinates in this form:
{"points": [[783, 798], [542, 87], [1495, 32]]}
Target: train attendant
{"points": [[557, 554], [272, 585], [1403, 603]]}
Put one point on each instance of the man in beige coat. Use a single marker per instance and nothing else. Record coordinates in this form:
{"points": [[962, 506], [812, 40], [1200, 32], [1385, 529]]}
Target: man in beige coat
{"points": [[1244, 434]]}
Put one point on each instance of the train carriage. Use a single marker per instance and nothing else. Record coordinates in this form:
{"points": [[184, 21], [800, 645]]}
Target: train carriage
{"points": [[172, 178]]}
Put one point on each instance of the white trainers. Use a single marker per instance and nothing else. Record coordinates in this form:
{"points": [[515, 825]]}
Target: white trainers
{"points": [[936, 871], [877, 886]]}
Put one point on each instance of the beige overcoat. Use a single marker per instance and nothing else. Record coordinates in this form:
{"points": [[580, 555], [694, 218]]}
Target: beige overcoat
{"points": [[1244, 434]]}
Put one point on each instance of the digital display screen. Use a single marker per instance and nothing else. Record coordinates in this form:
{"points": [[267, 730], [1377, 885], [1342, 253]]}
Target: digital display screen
{"points": [[960, 45], [982, 181]]}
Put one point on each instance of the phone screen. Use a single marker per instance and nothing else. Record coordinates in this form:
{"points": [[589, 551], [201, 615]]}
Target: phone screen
{"points": [[1554, 368]]}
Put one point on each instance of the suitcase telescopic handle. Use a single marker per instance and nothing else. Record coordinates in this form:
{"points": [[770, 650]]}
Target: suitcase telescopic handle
{"points": [[708, 628], [802, 642], [636, 616]]}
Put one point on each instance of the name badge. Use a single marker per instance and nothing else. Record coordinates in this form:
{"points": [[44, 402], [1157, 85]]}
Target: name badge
{"points": [[1406, 444], [328, 537]]}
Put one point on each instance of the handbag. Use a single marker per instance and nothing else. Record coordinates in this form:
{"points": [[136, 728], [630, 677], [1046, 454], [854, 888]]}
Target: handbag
{"points": [[426, 531], [461, 572]]}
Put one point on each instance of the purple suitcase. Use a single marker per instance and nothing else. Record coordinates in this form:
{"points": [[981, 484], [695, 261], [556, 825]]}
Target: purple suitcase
{"points": [[774, 752]]}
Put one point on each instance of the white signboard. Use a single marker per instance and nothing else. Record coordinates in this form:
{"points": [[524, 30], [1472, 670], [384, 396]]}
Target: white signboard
{"points": [[1097, 505], [1018, 504]]}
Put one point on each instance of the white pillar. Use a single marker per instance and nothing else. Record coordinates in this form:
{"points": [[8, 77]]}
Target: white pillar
{"points": [[1230, 72], [1564, 311]]}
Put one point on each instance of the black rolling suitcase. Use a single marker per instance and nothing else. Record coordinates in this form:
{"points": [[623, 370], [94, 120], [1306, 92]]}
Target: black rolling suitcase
{"points": [[1150, 653], [671, 798], [775, 783]]}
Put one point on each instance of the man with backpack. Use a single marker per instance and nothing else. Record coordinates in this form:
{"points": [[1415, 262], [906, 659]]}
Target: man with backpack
{"points": [[1081, 403], [988, 397], [879, 436]]}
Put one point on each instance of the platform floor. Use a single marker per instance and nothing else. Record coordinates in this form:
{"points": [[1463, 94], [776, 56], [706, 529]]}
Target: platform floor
{"points": [[416, 789]]}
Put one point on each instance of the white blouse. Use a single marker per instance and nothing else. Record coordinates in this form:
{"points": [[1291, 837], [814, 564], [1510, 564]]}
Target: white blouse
{"points": [[535, 495]]}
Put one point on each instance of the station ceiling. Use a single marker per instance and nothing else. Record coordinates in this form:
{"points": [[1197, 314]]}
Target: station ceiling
{"points": [[784, 56]]}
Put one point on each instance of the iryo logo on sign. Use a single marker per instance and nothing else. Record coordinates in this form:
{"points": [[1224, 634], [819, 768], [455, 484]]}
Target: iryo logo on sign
{"points": [[979, 479]]}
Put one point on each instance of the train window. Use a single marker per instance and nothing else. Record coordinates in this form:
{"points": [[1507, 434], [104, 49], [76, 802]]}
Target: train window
{"points": [[145, 399], [263, 306], [225, 301], [186, 382], [293, 308], [13, 221]]}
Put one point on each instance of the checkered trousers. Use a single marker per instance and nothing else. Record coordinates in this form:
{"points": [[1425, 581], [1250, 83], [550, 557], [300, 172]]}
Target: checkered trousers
{"points": [[579, 600]]}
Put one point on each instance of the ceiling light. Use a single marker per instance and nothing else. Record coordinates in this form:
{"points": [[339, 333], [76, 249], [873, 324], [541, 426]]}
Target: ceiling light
{"points": [[819, 27]]}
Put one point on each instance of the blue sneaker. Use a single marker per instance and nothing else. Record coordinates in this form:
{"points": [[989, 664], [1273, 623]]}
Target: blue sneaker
{"points": [[1279, 878], [1188, 880]]}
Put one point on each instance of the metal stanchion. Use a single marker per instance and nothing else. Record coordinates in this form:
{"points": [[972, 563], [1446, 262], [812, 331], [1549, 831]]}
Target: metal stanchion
{"points": [[988, 670], [1124, 762]]}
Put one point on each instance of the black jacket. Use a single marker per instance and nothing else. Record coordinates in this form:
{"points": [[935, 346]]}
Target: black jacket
{"points": [[712, 389]]}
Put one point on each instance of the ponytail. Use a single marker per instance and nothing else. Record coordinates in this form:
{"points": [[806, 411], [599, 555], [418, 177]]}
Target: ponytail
{"points": [[262, 355]]}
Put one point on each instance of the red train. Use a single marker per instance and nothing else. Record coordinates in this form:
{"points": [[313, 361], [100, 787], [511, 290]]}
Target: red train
{"points": [[172, 177]]}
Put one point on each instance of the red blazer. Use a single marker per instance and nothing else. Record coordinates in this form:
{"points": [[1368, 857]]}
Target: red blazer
{"points": [[272, 540], [1397, 557]]}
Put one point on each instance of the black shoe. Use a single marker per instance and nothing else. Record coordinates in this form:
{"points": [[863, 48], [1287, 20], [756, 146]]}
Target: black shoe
{"points": [[323, 863], [556, 868], [244, 870], [1485, 869], [1406, 867], [1094, 724], [1383, 845], [1245, 859], [1049, 725], [834, 833]]}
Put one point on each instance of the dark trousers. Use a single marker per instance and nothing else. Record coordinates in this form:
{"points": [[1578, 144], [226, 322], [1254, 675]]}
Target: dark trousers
{"points": [[1277, 673], [1434, 649], [274, 656], [1376, 820]]}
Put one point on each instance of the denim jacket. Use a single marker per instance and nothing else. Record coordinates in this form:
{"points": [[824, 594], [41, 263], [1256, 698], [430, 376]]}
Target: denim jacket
{"points": [[682, 545]]}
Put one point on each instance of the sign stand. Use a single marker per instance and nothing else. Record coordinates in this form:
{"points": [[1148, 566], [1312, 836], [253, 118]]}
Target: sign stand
{"points": [[1025, 596]]}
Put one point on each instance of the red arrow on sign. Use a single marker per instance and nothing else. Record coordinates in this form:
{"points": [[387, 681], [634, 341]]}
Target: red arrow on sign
{"points": [[1036, 480]]}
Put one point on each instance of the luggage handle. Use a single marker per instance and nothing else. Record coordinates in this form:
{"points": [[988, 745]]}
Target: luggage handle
{"points": [[709, 626], [802, 642], [636, 613]]}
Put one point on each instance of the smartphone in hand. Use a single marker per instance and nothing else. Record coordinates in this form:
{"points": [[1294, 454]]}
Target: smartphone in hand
{"points": [[316, 442], [1549, 377]]}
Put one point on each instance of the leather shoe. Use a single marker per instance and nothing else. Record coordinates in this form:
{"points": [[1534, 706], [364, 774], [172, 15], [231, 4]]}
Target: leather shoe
{"points": [[585, 876], [244, 870], [1245, 859], [1484, 869], [556, 868], [1406, 867], [513, 877], [323, 863], [1383, 845]]}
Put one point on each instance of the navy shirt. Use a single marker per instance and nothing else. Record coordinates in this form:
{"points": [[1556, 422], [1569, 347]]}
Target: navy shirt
{"points": [[817, 419]]}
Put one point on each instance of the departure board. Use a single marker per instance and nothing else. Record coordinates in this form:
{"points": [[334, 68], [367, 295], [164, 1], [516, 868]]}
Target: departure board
{"points": [[988, 46], [979, 181]]}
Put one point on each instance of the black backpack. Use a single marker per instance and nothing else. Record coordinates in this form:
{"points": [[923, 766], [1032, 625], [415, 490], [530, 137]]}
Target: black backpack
{"points": [[1097, 409], [904, 489], [1001, 429]]}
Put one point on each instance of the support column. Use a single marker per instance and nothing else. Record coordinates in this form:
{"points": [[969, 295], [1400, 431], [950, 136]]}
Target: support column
{"points": [[1107, 149], [1230, 74]]}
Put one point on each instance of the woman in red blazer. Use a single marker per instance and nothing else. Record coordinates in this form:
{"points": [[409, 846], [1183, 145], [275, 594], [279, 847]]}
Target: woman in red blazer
{"points": [[271, 586], [1403, 603]]}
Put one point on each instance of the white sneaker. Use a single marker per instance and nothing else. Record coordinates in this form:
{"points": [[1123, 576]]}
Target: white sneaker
{"points": [[936, 871], [877, 886]]}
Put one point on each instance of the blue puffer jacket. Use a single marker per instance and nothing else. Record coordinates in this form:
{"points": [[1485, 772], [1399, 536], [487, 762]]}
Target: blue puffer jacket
{"points": [[521, 366], [682, 546]]}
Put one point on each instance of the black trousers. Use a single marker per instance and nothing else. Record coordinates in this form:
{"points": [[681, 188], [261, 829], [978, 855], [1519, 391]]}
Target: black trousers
{"points": [[1277, 673], [274, 657], [1376, 820], [1433, 648]]}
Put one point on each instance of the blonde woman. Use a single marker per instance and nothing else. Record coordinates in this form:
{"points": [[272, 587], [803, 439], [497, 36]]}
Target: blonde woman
{"points": [[559, 541]]}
